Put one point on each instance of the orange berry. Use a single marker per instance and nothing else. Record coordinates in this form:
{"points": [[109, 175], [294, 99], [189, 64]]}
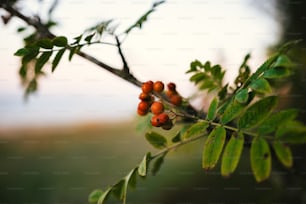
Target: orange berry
{"points": [[171, 86], [158, 86], [155, 121], [143, 106], [142, 113], [157, 107], [145, 96], [176, 99], [147, 87], [163, 118], [170, 93]]}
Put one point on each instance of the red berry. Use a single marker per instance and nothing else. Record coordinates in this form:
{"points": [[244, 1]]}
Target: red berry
{"points": [[158, 86], [143, 106], [163, 118], [145, 96], [142, 113], [176, 99], [171, 86], [170, 93], [157, 107], [147, 87], [155, 121]]}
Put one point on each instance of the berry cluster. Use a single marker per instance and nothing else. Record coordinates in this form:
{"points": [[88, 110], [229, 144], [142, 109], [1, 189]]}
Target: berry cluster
{"points": [[148, 104]]}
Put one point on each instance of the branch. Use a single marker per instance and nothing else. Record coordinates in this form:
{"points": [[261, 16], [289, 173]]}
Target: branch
{"points": [[126, 68], [46, 33]]}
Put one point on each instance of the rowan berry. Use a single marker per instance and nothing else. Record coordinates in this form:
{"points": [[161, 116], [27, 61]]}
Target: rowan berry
{"points": [[145, 97], [176, 99], [155, 121], [143, 106], [163, 118], [142, 113], [171, 86], [158, 86], [147, 87], [157, 107]]}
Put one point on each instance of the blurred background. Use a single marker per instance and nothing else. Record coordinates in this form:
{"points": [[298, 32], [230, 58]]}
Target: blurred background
{"points": [[79, 131]]}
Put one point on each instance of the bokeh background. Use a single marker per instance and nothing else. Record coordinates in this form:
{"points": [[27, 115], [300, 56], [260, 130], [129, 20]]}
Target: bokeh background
{"points": [[80, 131]]}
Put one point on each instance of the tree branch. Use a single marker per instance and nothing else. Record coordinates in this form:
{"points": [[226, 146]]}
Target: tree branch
{"points": [[46, 33]]}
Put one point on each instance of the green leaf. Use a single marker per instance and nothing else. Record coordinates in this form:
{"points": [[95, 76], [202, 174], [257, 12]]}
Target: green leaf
{"points": [[232, 111], [261, 85], [276, 120], [33, 51], [242, 96], [277, 72], [232, 153], [156, 140], [42, 60], [196, 129], [223, 92], [283, 61], [104, 196], [212, 110], [257, 112], [198, 77], [119, 189], [94, 196], [157, 164], [60, 41], [260, 159], [283, 153], [292, 132], [144, 17], [73, 50], [213, 147], [194, 66], [57, 58], [22, 52], [45, 43], [89, 37], [130, 179], [143, 166]]}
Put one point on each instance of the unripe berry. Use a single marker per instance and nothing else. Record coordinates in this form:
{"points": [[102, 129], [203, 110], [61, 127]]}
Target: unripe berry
{"points": [[171, 86], [157, 107], [158, 86], [155, 121], [143, 106], [163, 118], [147, 87], [145, 97], [176, 99]]}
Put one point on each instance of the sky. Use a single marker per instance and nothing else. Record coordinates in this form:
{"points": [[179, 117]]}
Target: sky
{"points": [[221, 31]]}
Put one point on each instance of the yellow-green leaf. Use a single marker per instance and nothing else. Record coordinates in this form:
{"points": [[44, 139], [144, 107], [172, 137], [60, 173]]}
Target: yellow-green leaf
{"points": [[196, 129], [283, 153], [213, 147], [143, 166], [232, 111], [260, 159], [232, 153], [156, 140], [104, 196], [212, 110]]}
